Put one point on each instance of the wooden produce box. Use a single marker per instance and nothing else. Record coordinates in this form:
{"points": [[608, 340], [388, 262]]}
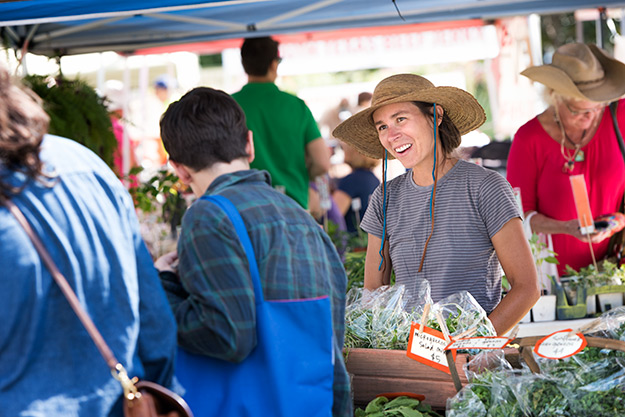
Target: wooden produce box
{"points": [[377, 371]]}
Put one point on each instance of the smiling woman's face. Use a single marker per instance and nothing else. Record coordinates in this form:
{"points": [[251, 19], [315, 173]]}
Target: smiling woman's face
{"points": [[406, 133]]}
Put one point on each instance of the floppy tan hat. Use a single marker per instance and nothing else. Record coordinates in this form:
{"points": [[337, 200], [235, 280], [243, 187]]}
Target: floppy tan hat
{"points": [[582, 71], [359, 131]]}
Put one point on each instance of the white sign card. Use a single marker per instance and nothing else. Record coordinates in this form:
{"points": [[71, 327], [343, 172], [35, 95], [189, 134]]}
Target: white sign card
{"points": [[486, 342], [560, 344]]}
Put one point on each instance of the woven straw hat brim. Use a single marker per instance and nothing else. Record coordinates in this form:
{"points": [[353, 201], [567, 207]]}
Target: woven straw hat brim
{"points": [[461, 107], [612, 88]]}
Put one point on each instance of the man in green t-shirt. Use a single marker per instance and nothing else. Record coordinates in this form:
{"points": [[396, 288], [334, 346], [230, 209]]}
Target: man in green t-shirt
{"points": [[287, 140]]}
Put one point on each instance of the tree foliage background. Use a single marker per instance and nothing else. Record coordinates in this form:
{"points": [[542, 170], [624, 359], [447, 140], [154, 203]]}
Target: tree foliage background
{"points": [[559, 29]]}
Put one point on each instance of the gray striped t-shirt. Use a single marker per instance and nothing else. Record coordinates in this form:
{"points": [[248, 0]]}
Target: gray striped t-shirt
{"points": [[471, 205]]}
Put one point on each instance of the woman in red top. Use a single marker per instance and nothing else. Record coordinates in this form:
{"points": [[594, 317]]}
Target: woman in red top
{"points": [[574, 135]]}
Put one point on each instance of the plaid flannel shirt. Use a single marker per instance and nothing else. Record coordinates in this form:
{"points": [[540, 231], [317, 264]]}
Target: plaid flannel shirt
{"points": [[213, 300]]}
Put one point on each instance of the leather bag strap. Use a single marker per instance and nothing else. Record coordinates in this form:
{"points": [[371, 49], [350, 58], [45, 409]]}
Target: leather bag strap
{"points": [[617, 130], [66, 289], [617, 242]]}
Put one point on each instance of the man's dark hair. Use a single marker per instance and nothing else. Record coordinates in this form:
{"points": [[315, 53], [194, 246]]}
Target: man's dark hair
{"points": [[364, 97], [204, 127], [257, 54]]}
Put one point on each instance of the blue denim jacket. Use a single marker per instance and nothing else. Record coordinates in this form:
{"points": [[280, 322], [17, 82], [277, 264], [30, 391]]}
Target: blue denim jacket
{"points": [[48, 364]]}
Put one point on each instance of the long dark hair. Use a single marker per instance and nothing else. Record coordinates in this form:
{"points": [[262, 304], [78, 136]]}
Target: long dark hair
{"points": [[447, 130], [23, 122]]}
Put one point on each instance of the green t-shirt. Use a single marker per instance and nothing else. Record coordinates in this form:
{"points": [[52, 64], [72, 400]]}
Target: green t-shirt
{"points": [[282, 126]]}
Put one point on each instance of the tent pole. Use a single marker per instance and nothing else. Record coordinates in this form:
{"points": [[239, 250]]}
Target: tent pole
{"points": [[535, 39], [579, 30], [599, 27]]}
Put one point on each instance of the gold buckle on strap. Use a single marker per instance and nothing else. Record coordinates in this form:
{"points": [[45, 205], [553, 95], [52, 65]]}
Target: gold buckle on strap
{"points": [[128, 384]]}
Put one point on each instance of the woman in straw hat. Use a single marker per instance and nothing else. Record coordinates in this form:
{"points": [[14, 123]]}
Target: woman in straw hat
{"points": [[574, 135], [445, 220]]}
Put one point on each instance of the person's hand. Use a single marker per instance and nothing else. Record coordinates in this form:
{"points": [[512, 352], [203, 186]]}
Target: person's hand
{"points": [[600, 236], [168, 262], [573, 229]]}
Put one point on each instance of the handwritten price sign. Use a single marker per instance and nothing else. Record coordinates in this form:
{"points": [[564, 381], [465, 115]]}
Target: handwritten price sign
{"points": [[479, 343], [560, 345], [428, 347]]}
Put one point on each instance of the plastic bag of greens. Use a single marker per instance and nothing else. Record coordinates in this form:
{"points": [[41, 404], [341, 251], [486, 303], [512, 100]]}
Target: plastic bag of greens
{"points": [[503, 402], [592, 363], [461, 313], [378, 319], [493, 361], [603, 397], [610, 324], [495, 397], [597, 376], [539, 395], [490, 370], [362, 305], [466, 403]]}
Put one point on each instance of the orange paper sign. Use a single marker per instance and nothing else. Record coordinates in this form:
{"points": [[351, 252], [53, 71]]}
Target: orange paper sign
{"points": [[428, 347], [580, 194]]}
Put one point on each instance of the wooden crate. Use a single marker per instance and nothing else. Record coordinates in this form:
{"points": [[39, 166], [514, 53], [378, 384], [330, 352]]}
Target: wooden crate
{"points": [[377, 371]]}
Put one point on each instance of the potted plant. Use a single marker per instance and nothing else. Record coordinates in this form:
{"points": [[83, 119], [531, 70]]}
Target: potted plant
{"points": [[160, 204], [603, 283], [608, 285], [577, 281]]}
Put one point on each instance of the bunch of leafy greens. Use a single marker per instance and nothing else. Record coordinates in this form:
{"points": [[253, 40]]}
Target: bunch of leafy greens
{"points": [[402, 406], [590, 383], [355, 268], [380, 322], [380, 319]]}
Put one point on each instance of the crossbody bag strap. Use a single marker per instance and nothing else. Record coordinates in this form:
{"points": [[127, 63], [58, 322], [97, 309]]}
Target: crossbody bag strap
{"points": [[617, 241], [235, 217], [117, 369], [617, 130]]}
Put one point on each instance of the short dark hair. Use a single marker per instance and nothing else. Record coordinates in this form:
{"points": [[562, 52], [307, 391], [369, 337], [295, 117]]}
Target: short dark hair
{"points": [[364, 97], [257, 54], [204, 127], [447, 130]]}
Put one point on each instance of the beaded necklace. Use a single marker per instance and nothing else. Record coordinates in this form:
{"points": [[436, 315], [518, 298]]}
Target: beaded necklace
{"points": [[578, 154]]}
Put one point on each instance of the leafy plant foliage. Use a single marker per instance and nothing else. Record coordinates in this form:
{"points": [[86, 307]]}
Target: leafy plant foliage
{"points": [[76, 112]]}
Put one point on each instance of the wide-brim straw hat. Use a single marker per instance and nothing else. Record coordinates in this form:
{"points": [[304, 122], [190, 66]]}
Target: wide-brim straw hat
{"points": [[582, 71], [461, 107]]}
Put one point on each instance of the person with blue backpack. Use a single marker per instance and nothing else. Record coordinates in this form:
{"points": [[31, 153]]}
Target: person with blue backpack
{"points": [[256, 286]]}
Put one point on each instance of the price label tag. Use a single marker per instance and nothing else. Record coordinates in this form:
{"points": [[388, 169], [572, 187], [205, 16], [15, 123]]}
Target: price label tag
{"points": [[486, 342], [560, 345], [428, 347]]}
